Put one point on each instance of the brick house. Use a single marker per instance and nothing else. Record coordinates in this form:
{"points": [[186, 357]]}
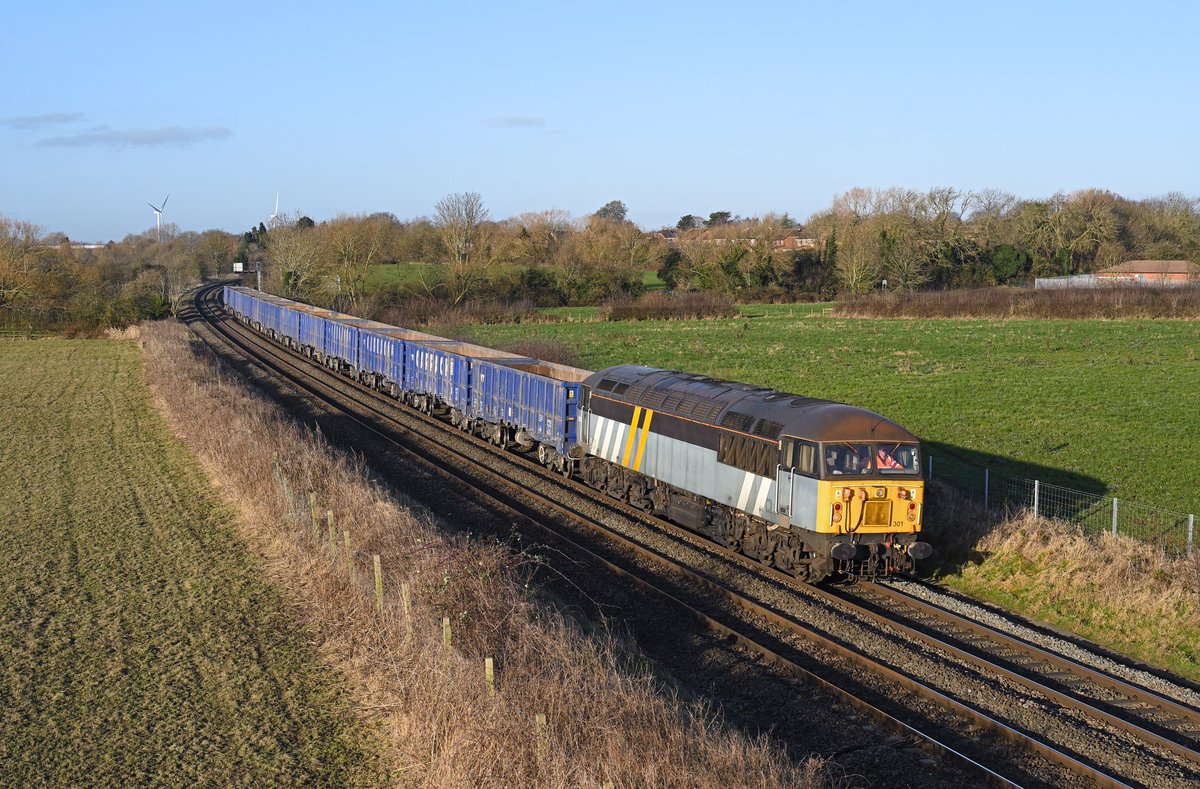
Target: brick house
{"points": [[1152, 272]]}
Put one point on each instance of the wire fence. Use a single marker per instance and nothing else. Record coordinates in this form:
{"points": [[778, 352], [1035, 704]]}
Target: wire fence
{"points": [[21, 334], [1095, 515]]}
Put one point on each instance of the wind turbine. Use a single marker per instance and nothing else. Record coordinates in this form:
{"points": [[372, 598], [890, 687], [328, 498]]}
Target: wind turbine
{"points": [[272, 217], [158, 211]]}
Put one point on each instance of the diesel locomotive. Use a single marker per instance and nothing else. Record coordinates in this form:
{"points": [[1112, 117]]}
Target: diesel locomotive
{"points": [[811, 487]]}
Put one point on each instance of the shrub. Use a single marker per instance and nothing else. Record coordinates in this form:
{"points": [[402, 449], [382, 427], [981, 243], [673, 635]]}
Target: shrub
{"points": [[672, 306], [1113, 302]]}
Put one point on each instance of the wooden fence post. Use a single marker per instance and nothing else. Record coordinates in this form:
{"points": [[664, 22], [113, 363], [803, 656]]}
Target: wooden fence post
{"points": [[543, 739], [378, 582], [404, 597], [332, 532], [489, 676]]}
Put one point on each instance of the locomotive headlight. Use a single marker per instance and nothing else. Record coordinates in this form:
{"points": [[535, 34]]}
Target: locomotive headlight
{"points": [[880, 493], [837, 512]]}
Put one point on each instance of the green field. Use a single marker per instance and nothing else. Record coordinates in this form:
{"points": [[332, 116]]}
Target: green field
{"points": [[404, 276], [138, 643], [1103, 406]]}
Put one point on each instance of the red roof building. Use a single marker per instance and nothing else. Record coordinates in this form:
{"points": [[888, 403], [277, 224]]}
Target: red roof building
{"points": [[1153, 272]]}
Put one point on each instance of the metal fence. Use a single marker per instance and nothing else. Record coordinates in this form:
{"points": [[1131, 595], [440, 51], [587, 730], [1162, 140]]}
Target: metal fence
{"points": [[22, 334], [1095, 515]]}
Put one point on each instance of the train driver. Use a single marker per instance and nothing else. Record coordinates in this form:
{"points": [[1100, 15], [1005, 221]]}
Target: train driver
{"points": [[885, 462]]}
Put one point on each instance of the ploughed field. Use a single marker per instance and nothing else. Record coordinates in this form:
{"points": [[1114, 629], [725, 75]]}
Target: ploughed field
{"points": [[1103, 406], [138, 643]]}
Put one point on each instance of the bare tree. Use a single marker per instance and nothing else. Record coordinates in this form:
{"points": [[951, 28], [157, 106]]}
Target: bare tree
{"points": [[459, 217], [294, 261], [539, 236], [214, 253], [858, 261], [352, 245], [20, 253]]}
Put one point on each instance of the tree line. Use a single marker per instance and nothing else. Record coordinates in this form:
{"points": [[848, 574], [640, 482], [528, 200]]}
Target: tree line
{"points": [[947, 238], [937, 239], [48, 283], [941, 238]]}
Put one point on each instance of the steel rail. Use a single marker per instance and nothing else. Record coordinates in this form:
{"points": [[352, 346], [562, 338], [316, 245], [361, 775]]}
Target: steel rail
{"points": [[1070, 671], [306, 369]]}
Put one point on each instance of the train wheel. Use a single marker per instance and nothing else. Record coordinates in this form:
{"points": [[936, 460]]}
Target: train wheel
{"points": [[758, 544], [787, 554]]}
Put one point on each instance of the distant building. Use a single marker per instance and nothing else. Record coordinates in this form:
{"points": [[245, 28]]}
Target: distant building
{"points": [[1152, 272], [789, 243]]}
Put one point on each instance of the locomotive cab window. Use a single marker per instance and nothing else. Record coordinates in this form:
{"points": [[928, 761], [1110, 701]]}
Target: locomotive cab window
{"points": [[798, 455], [897, 459], [846, 459]]}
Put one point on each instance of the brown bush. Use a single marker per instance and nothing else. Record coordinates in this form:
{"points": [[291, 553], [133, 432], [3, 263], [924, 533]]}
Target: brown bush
{"points": [[1112, 302], [415, 313], [606, 722], [546, 350], [671, 306]]}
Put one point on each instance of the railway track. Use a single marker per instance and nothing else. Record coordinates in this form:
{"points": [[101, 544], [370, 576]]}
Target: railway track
{"points": [[877, 608]]}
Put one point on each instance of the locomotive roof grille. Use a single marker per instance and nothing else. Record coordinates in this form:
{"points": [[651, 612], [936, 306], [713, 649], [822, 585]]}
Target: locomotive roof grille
{"points": [[736, 420], [768, 428]]}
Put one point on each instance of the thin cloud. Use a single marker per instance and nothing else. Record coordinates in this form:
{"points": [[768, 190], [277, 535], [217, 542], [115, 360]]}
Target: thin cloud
{"points": [[48, 119], [516, 121], [118, 139]]}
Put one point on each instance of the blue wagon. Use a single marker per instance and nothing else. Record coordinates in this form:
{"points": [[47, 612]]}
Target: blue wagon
{"points": [[341, 341], [437, 375], [520, 394]]}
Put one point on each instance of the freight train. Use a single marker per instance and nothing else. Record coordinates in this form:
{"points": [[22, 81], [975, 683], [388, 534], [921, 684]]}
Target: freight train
{"points": [[811, 487]]}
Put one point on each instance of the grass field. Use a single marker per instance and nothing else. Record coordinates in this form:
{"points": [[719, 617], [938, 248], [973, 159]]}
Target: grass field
{"points": [[403, 275], [138, 643], [1103, 406]]}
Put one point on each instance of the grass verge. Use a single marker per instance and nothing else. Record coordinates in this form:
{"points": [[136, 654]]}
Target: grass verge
{"points": [[138, 641], [1117, 592], [605, 719]]}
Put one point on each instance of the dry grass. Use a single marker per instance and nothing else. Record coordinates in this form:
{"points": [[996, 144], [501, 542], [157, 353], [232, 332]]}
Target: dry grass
{"points": [[1117, 591], [606, 722], [1114, 302], [433, 312]]}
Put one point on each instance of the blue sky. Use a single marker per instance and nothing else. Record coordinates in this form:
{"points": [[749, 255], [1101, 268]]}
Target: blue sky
{"points": [[690, 108]]}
